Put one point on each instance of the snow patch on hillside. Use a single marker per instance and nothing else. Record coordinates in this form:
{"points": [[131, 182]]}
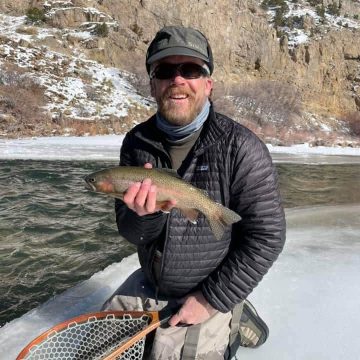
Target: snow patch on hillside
{"points": [[298, 34], [76, 87]]}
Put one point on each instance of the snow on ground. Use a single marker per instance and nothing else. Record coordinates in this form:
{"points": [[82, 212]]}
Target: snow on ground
{"points": [[318, 150], [306, 154], [107, 147]]}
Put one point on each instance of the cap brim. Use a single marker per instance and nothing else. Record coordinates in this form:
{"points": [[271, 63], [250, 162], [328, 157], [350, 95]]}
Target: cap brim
{"points": [[173, 51]]}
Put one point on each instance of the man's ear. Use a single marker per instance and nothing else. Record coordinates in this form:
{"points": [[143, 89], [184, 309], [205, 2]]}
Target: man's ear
{"points": [[209, 86]]}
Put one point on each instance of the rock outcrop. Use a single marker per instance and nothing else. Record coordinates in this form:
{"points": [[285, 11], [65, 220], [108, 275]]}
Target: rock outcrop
{"points": [[324, 70]]}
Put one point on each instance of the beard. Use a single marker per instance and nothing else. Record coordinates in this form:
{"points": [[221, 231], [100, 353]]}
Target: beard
{"points": [[179, 114]]}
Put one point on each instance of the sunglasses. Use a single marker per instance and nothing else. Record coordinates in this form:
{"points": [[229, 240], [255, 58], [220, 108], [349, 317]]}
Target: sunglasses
{"points": [[166, 71]]}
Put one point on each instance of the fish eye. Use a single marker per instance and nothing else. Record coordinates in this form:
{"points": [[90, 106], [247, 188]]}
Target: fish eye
{"points": [[92, 180]]}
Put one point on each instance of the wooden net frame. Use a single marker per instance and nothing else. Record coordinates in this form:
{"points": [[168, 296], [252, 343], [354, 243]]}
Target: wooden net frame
{"points": [[96, 336]]}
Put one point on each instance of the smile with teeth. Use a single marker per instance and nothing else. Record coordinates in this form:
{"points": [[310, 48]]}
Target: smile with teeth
{"points": [[178, 96]]}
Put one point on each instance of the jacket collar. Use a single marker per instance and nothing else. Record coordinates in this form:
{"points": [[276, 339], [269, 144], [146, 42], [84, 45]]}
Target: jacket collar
{"points": [[150, 134], [210, 134]]}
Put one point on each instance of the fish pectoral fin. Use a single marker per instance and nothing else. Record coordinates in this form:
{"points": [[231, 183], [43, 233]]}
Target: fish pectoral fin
{"points": [[163, 206], [191, 214]]}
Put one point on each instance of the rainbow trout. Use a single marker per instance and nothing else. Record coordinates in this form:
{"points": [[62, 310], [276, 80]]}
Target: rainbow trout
{"points": [[189, 199]]}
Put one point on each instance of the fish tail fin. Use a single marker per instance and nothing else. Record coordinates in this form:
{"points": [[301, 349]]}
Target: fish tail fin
{"points": [[220, 219]]}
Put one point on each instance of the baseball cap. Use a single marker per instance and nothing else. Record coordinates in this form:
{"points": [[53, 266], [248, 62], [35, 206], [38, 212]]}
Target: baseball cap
{"points": [[178, 40]]}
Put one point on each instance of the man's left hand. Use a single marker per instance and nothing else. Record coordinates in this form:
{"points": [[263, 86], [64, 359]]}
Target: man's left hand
{"points": [[194, 310]]}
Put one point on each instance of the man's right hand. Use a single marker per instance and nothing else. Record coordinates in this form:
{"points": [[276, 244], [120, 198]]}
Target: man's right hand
{"points": [[141, 197]]}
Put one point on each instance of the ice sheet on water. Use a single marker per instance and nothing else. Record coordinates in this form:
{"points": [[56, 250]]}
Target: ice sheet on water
{"points": [[309, 298]]}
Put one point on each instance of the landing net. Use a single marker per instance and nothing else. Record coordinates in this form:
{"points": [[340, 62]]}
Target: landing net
{"points": [[94, 338]]}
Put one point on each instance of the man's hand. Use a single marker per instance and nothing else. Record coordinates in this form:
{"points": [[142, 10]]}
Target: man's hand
{"points": [[141, 197], [194, 310]]}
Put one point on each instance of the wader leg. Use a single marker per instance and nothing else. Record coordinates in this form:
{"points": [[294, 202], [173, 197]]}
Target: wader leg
{"points": [[172, 343]]}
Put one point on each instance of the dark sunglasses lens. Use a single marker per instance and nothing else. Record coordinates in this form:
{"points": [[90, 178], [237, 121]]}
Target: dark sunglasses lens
{"points": [[191, 71], [165, 71], [187, 71]]}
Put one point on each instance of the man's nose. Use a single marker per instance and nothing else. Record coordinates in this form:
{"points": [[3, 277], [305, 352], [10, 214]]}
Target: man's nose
{"points": [[177, 78]]}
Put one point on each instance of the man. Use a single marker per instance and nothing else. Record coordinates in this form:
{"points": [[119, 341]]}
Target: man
{"points": [[183, 264]]}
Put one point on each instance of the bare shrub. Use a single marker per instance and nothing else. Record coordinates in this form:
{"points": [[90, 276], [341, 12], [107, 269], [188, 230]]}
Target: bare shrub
{"points": [[92, 93], [111, 125], [223, 100], [23, 99], [27, 30], [353, 121], [139, 79], [269, 132], [289, 137], [262, 101], [35, 16], [89, 127], [141, 84], [23, 103], [138, 30], [136, 74], [101, 30], [82, 111], [11, 74]]}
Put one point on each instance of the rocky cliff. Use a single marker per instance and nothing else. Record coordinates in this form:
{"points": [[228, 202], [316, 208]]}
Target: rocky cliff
{"points": [[326, 69], [316, 55]]}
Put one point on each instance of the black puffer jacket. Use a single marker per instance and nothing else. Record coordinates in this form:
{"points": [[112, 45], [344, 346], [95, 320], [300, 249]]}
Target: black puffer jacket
{"points": [[235, 169]]}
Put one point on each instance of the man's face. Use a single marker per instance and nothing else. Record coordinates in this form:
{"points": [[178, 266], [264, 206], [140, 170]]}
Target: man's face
{"points": [[180, 100]]}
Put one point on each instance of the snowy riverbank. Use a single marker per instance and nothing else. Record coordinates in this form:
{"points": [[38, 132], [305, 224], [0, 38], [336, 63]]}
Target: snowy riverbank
{"points": [[107, 147]]}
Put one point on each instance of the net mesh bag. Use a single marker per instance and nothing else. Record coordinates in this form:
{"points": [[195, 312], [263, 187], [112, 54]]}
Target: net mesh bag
{"points": [[93, 339]]}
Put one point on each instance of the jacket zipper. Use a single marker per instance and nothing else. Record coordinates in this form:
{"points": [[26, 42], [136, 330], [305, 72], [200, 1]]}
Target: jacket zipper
{"points": [[156, 281]]}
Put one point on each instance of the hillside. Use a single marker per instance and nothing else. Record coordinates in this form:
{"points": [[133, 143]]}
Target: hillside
{"points": [[288, 70]]}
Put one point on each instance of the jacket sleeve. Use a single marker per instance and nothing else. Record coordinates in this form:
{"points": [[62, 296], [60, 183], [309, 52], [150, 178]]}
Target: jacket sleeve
{"points": [[259, 237], [139, 230]]}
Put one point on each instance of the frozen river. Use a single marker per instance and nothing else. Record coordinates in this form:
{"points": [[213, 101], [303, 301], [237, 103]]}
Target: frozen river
{"points": [[61, 256]]}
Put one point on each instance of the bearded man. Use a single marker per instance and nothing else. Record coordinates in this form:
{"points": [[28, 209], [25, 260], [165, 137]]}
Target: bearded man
{"points": [[183, 265]]}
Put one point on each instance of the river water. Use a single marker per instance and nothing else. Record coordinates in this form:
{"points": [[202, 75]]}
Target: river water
{"points": [[54, 233]]}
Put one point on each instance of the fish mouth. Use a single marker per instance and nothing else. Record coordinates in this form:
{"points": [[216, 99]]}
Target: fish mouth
{"points": [[89, 183]]}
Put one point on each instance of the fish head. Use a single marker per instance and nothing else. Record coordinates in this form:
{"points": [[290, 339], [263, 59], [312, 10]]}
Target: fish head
{"points": [[100, 181]]}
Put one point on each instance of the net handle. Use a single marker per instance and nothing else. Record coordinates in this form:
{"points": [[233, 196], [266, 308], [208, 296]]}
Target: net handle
{"points": [[156, 321]]}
